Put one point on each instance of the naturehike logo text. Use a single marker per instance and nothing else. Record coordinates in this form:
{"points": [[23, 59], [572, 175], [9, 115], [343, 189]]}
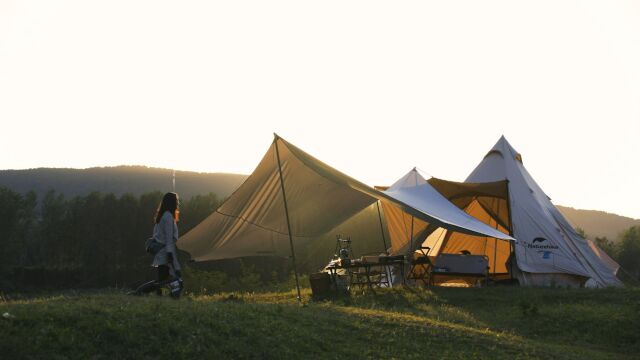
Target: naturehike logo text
{"points": [[534, 244]]}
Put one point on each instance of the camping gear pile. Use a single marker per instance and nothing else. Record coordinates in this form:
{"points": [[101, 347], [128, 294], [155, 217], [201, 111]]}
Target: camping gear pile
{"points": [[499, 220], [365, 273]]}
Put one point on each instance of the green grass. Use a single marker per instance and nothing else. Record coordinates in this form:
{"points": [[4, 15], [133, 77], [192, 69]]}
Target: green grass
{"points": [[489, 323]]}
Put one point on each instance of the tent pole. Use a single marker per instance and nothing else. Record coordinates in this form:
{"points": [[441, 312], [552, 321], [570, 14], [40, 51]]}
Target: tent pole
{"points": [[495, 254], [411, 238], [286, 212], [384, 241], [411, 250], [512, 246], [495, 244]]}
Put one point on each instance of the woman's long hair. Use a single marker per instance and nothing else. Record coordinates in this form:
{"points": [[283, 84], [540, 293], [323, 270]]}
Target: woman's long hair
{"points": [[169, 203]]}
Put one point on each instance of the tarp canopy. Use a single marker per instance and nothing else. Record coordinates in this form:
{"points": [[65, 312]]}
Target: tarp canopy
{"points": [[407, 232], [252, 221], [548, 247]]}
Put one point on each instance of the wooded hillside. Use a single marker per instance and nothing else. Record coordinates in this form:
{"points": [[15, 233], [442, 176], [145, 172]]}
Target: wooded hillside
{"points": [[119, 180], [598, 223]]}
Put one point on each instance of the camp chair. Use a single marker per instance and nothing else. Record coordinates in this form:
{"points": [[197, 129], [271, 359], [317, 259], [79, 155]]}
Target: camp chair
{"points": [[421, 266]]}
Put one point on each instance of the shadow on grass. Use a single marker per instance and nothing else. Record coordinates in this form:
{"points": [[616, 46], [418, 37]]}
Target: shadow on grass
{"points": [[599, 319], [394, 323], [112, 325]]}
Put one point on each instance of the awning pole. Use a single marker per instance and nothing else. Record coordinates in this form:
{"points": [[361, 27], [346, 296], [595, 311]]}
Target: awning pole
{"points": [[512, 247], [495, 244], [286, 212], [415, 175], [384, 241], [411, 250], [495, 254]]}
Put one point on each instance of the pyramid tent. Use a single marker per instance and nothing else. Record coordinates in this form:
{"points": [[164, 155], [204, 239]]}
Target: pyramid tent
{"points": [[404, 230], [549, 251], [291, 200], [407, 233]]}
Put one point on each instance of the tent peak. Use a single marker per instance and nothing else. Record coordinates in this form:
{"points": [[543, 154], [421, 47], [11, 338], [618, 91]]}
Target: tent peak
{"points": [[503, 141], [504, 148]]}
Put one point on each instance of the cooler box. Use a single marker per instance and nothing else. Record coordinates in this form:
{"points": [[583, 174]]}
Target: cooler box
{"points": [[320, 284]]}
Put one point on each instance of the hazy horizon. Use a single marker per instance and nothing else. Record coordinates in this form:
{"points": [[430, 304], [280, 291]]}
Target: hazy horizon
{"points": [[371, 88], [236, 174]]}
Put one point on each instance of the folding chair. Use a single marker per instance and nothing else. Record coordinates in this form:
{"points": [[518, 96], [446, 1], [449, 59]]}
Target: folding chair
{"points": [[421, 267]]}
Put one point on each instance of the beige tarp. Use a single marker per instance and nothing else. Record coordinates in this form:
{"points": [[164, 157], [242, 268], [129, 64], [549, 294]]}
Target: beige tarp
{"points": [[252, 221], [400, 226]]}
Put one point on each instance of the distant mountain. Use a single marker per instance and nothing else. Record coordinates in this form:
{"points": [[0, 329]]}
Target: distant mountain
{"points": [[118, 180], [598, 223]]}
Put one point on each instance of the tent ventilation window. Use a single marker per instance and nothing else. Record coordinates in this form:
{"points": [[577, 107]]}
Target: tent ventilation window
{"points": [[519, 158]]}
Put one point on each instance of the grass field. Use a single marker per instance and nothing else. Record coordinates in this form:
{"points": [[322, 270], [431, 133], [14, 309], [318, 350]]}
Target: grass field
{"points": [[490, 323]]}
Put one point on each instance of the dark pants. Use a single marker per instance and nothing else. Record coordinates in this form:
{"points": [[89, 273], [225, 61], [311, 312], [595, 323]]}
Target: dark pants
{"points": [[163, 273], [163, 278]]}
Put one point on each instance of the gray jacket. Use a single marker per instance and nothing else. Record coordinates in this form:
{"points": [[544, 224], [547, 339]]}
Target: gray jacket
{"points": [[166, 232]]}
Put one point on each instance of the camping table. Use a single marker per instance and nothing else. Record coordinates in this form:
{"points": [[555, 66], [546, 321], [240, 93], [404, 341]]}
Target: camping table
{"points": [[361, 272]]}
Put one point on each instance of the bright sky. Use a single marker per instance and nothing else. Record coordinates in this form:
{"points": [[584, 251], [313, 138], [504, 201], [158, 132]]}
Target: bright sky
{"points": [[372, 88]]}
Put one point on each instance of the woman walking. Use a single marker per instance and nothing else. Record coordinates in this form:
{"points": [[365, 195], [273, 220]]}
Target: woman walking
{"points": [[165, 231]]}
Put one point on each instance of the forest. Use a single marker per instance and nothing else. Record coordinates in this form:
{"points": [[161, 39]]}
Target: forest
{"points": [[94, 240]]}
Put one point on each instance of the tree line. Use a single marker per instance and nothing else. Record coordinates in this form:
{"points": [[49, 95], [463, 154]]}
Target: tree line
{"points": [[93, 240]]}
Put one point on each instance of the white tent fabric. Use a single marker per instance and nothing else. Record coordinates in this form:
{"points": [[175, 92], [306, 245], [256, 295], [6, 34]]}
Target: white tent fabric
{"points": [[410, 179], [548, 245], [424, 197], [606, 259], [414, 190], [252, 221]]}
